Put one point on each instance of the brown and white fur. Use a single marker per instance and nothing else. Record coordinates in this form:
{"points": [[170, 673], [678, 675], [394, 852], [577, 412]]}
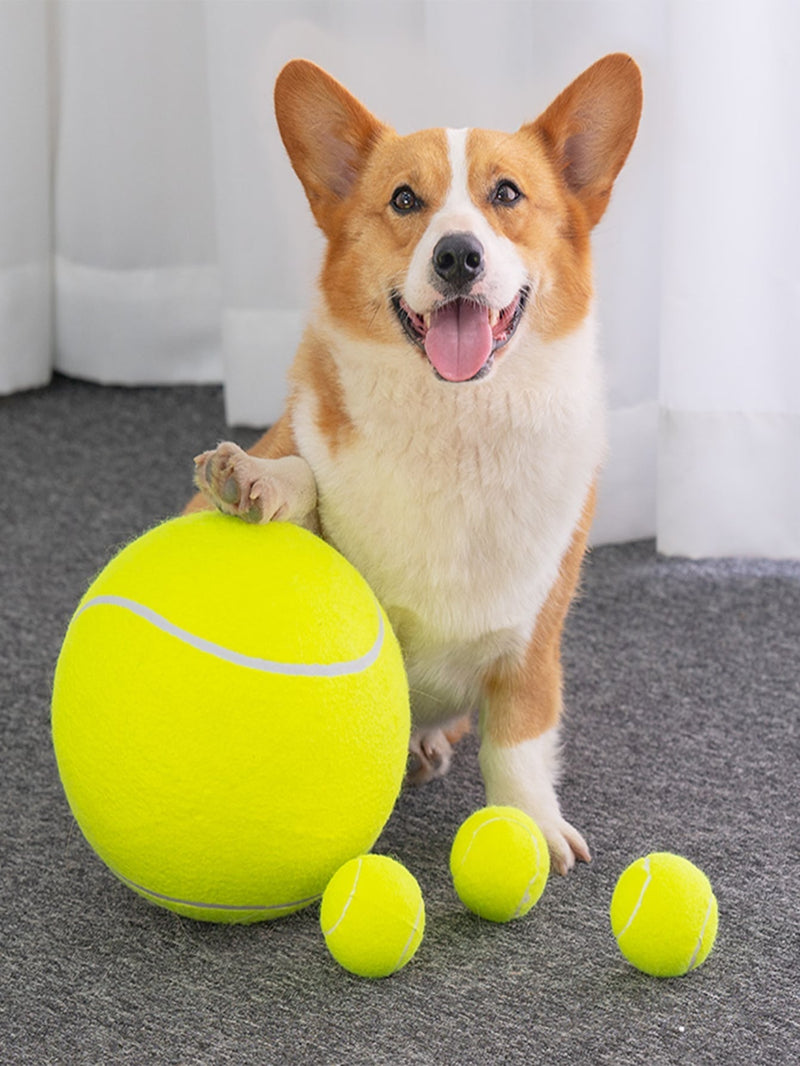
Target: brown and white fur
{"points": [[464, 495]]}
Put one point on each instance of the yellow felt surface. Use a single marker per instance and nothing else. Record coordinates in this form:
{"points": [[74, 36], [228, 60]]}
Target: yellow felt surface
{"points": [[664, 915], [372, 916], [213, 783], [274, 592], [500, 863]]}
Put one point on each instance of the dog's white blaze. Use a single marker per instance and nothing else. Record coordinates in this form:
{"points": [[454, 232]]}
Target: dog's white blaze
{"points": [[458, 198], [505, 271]]}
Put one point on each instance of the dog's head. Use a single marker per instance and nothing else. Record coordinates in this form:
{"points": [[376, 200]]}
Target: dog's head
{"points": [[459, 241]]}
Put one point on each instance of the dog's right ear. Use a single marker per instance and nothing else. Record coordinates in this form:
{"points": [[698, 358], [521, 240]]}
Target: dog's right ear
{"points": [[327, 133]]}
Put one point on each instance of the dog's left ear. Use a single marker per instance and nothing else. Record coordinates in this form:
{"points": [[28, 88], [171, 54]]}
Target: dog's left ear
{"points": [[327, 133], [590, 127]]}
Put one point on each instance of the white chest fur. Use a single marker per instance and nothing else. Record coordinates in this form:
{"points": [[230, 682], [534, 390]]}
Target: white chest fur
{"points": [[457, 502]]}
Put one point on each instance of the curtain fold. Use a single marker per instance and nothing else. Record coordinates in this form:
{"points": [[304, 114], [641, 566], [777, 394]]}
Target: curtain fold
{"points": [[25, 199], [137, 278], [151, 228], [729, 431]]}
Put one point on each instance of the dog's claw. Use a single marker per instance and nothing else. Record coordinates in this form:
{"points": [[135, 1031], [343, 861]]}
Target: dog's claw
{"points": [[566, 847]]}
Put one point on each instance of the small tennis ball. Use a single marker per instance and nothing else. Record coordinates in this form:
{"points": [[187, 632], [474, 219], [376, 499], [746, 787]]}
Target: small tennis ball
{"points": [[372, 916], [664, 915], [499, 863], [230, 717]]}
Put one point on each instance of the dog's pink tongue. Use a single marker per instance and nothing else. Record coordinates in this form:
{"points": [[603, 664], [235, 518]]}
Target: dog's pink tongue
{"points": [[459, 340]]}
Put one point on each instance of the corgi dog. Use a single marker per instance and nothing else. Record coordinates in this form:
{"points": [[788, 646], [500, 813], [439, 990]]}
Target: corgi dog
{"points": [[444, 427]]}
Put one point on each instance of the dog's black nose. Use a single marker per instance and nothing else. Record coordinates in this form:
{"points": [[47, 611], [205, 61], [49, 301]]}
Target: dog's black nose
{"points": [[458, 260]]}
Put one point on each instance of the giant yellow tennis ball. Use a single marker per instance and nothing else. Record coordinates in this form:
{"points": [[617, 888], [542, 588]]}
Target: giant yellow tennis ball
{"points": [[230, 717], [372, 916], [499, 863], [664, 915]]}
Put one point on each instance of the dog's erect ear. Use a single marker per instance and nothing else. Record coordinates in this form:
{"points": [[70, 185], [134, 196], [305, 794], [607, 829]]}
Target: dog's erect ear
{"points": [[328, 134], [590, 127]]}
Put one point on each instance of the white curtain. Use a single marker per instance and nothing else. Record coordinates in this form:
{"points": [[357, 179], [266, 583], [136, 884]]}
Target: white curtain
{"points": [[729, 397], [25, 215], [151, 229]]}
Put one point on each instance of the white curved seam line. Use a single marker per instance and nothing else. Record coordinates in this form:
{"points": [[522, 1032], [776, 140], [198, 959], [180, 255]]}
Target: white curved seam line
{"points": [[503, 818], [693, 959], [215, 906], [639, 901], [475, 832], [353, 666], [413, 933], [526, 895], [346, 907]]}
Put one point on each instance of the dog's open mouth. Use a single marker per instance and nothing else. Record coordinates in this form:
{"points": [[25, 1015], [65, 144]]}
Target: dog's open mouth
{"points": [[461, 336]]}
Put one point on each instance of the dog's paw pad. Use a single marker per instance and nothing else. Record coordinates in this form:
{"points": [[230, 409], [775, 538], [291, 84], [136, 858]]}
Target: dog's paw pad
{"points": [[255, 489]]}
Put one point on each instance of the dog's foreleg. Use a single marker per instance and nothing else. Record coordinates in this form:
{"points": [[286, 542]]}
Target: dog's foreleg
{"points": [[519, 754], [524, 775], [522, 705]]}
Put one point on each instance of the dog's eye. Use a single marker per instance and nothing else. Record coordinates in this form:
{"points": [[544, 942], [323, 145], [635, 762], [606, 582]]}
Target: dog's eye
{"points": [[405, 199], [506, 193]]}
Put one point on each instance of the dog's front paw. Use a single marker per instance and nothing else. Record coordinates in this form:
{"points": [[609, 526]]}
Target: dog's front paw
{"points": [[566, 844], [523, 775], [257, 490]]}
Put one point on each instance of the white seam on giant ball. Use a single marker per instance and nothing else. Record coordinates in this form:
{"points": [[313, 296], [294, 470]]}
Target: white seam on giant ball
{"points": [[234, 907], [340, 669]]}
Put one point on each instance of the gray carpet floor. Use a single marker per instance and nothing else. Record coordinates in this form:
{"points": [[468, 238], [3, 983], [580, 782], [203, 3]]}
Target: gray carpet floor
{"points": [[683, 685]]}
